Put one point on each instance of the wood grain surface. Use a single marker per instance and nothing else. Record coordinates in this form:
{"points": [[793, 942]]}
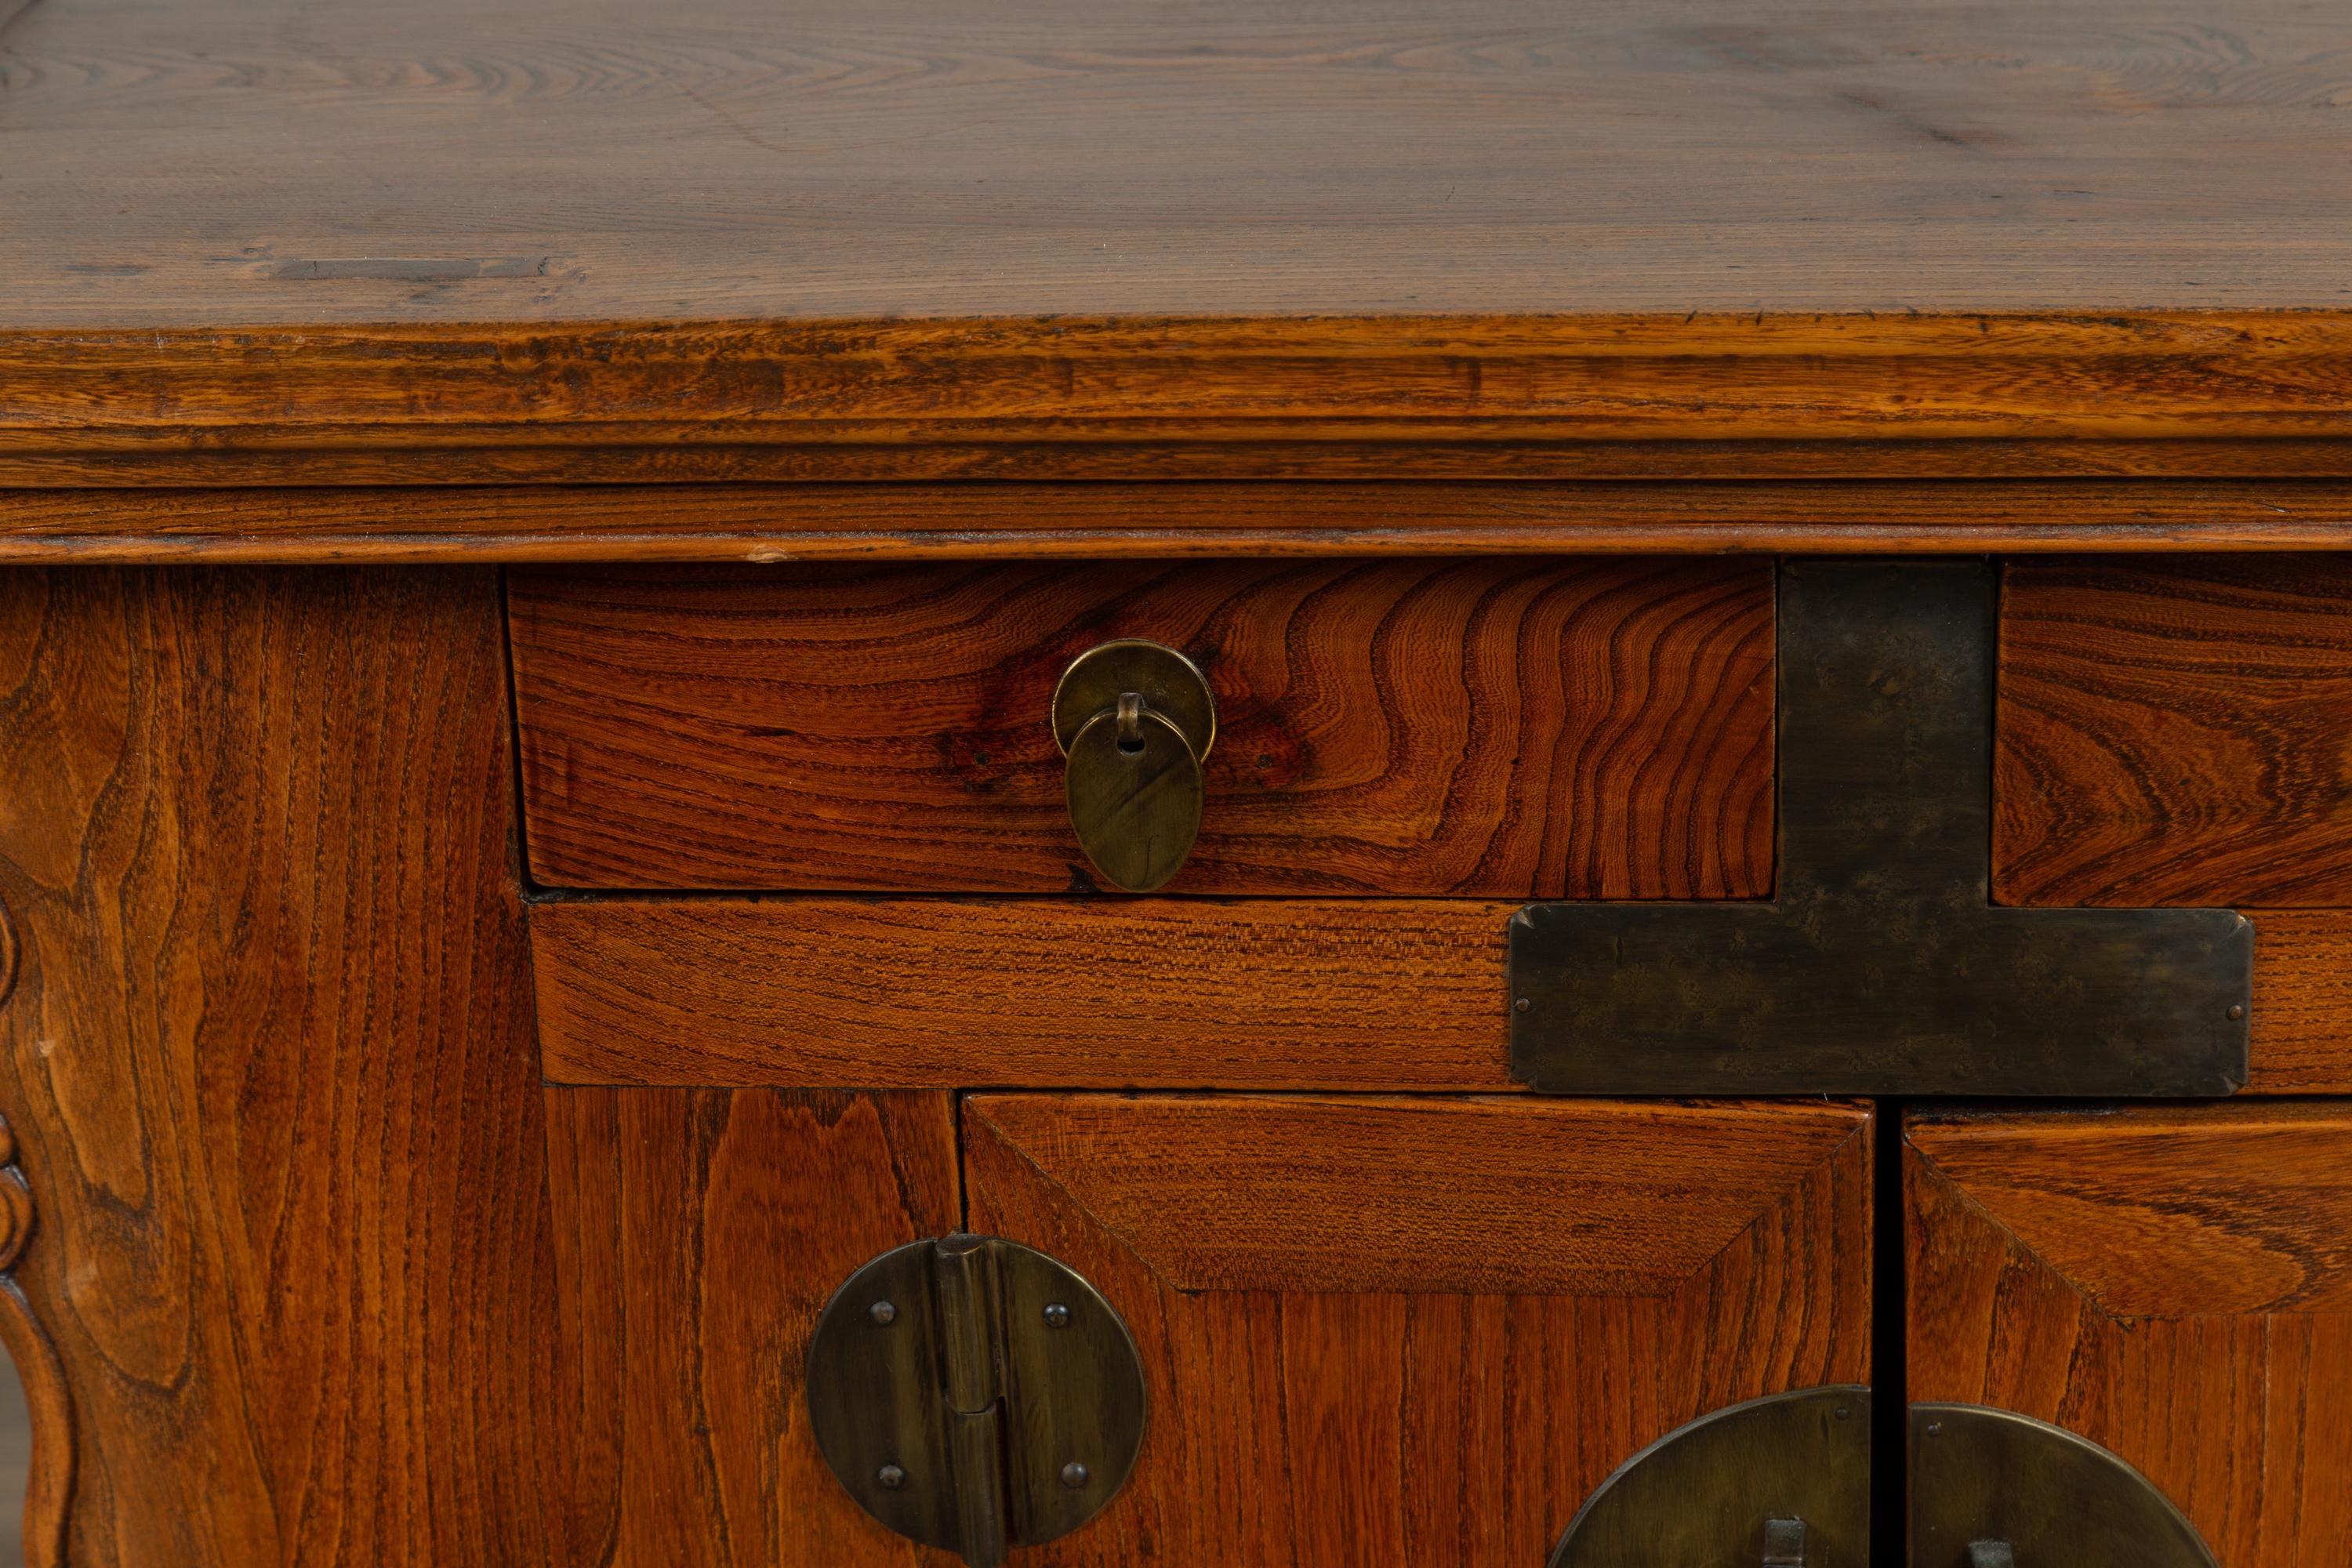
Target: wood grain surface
{"points": [[699, 1235], [2175, 731], [2171, 1283], [1306, 1422], [1306, 994], [943, 994], [2166, 1213], [1171, 520], [268, 1063], [1489, 728], [725, 161], [1435, 1196]]}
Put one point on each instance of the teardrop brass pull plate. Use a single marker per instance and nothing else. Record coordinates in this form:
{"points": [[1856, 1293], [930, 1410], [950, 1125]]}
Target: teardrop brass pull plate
{"points": [[1135, 719]]}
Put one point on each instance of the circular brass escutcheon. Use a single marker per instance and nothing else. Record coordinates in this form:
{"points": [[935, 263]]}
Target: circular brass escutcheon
{"points": [[1170, 684]]}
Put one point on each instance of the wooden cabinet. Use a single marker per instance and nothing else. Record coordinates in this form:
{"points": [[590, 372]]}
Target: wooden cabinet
{"points": [[538, 545]]}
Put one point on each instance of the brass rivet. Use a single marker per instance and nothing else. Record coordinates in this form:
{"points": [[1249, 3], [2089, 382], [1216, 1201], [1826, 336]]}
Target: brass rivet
{"points": [[1057, 1315], [1074, 1475], [883, 1313], [1522, 1004], [2237, 1010], [891, 1477]]}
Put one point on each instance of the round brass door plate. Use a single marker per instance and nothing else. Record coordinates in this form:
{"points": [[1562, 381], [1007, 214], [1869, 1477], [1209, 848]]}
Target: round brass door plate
{"points": [[1170, 684], [975, 1395], [1993, 1486], [1707, 1495]]}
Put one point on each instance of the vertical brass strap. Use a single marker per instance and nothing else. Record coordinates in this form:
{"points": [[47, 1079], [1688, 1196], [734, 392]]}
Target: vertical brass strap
{"points": [[970, 1335]]}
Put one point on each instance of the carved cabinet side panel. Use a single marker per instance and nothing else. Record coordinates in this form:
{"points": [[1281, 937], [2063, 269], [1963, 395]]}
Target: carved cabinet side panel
{"points": [[269, 1064]]}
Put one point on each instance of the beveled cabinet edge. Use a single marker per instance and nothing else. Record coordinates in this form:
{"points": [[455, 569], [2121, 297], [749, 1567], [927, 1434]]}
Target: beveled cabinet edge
{"points": [[1339, 395], [404, 523]]}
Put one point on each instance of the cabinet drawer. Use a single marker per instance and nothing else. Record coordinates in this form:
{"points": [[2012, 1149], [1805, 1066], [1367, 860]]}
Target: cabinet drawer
{"points": [[2175, 730], [1487, 728]]}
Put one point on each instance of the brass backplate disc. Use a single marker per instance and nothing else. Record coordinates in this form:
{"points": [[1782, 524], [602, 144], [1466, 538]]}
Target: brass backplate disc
{"points": [[1050, 1370], [1170, 684], [1705, 1495], [2047, 1495]]}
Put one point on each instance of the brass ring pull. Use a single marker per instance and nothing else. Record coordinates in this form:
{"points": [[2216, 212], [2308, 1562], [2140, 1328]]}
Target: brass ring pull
{"points": [[1135, 721]]}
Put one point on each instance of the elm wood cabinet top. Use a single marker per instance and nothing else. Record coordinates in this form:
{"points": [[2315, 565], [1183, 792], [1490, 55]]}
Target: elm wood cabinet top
{"points": [[292, 243], [725, 160], [773, 523]]}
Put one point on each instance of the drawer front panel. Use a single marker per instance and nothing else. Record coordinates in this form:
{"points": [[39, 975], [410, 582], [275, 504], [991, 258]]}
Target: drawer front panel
{"points": [[2175, 730], [1505, 728]]}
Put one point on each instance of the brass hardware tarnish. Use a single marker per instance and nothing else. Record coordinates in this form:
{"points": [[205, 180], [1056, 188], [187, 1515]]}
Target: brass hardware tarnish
{"points": [[975, 1395], [1881, 966], [1991, 1488], [1785, 1481], [1135, 721]]}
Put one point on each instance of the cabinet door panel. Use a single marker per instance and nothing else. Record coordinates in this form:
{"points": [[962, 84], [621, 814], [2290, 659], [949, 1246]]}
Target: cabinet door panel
{"points": [[700, 1233], [2174, 1283], [1421, 1330]]}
